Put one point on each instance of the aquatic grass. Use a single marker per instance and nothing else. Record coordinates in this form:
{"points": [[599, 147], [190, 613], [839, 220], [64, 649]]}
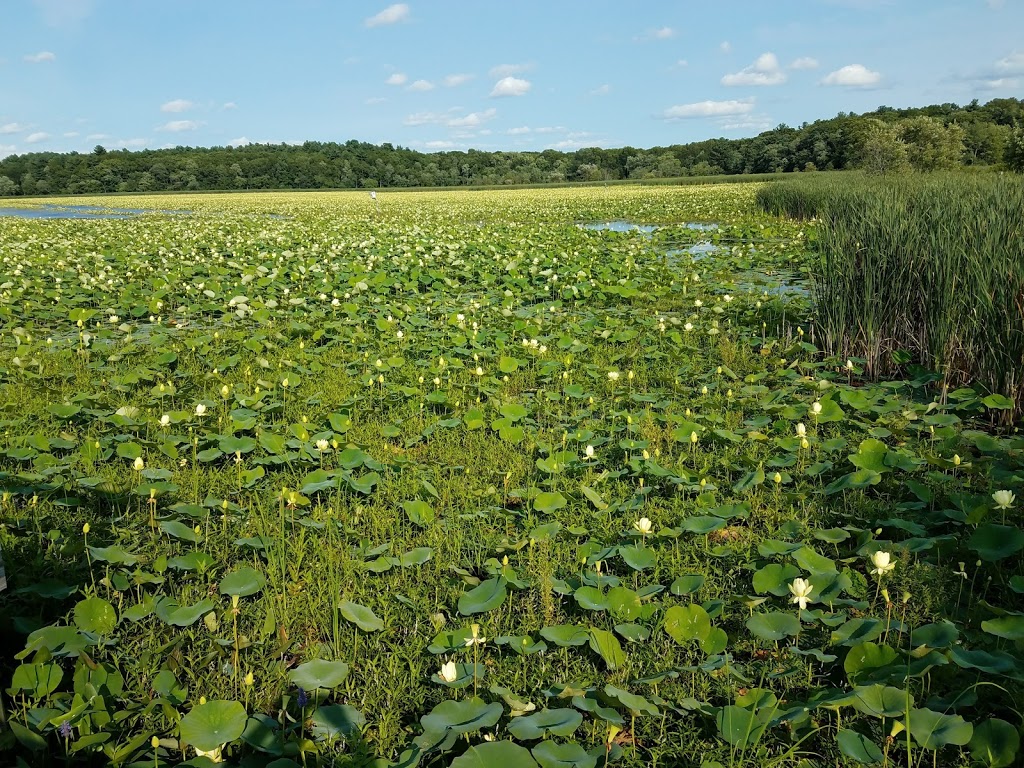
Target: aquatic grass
{"points": [[921, 268]]}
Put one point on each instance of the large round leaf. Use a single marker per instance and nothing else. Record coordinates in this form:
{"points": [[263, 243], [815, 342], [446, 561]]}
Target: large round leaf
{"points": [[484, 597], [996, 542], [858, 747], [94, 614], [934, 730], [361, 616], [773, 626], [686, 623], [995, 743], [571, 755], [213, 724], [319, 673], [243, 582], [494, 754], [739, 726], [548, 501], [337, 721]]}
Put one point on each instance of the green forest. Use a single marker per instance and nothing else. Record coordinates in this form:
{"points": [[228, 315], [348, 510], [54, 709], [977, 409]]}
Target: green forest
{"points": [[886, 140]]}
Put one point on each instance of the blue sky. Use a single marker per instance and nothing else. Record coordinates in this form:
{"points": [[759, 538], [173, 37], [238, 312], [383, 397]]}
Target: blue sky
{"points": [[454, 74]]}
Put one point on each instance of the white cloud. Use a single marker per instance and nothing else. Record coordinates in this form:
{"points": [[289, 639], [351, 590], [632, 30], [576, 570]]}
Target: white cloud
{"points": [[375, 100], [241, 141], [451, 119], [42, 56], [995, 5], [725, 46], [176, 126], [506, 70], [35, 138], [601, 90], [473, 119], [390, 15], [440, 144], [422, 85], [709, 109], [852, 76], [804, 62], [452, 81], [999, 83], [229, 105], [10, 128], [1012, 64], [662, 33], [752, 123], [680, 63], [518, 131], [71, 135], [764, 71], [551, 129], [399, 78], [97, 137], [177, 105], [6, 149], [511, 86], [132, 143]]}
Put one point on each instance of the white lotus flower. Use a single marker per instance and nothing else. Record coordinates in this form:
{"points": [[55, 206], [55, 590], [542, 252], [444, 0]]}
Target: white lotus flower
{"points": [[200, 409], [449, 672], [801, 430], [643, 525], [801, 591], [138, 465], [881, 561], [1004, 499]]}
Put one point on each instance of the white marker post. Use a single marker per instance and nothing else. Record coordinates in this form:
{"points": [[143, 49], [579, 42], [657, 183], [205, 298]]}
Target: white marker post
{"points": [[373, 196]]}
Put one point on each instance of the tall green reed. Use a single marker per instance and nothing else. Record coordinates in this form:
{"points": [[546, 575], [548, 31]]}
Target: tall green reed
{"points": [[932, 265]]}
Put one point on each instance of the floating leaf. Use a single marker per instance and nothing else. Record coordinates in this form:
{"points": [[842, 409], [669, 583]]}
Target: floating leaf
{"points": [[361, 616], [213, 724], [243, 582], [858, 747], [686, 623], [496, 753], [95, 615], [485, 597], [319, 673], [933, 730], [773, 626], [558, 722], [995, 743], [337, 721]]}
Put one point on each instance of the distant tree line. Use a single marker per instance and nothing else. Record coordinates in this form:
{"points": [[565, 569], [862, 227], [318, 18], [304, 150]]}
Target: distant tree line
{"points": [[886, 140]]}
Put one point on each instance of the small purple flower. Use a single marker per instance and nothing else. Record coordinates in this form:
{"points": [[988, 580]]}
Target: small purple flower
{"points": [[302, 698], [64, 729]]}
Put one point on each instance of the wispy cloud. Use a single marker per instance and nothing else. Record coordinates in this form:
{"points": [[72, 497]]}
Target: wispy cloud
{"points": [[229, 105], [399, 78], [699, 109], [132, 143], [506, 70], [852, 76], [804, 62], [35, 138], [41, 57], [725, 46], [390, 15], [177, 105], [520, 131], [451, 118], [10, 128], [421, 85], [661, 33], [375, 100], [764, 71], [453, 81], [601, 90], [511, 86], [177, 126]]}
